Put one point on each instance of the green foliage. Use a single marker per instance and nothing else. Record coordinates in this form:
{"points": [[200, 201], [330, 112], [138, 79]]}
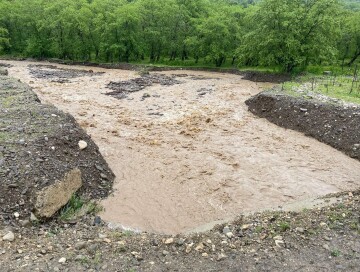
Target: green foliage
{"points": [[290, 34], [78, 206], [335, 253], [284, 226], [4, 40], [72, 207]]}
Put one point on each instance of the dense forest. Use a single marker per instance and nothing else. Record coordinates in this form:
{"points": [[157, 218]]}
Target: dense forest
{"points": [[290, 34]]}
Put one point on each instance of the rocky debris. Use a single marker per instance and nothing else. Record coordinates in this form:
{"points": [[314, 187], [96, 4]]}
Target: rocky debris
{"points": [[60, 75], [38, 152], [334, 124], [260, 243], [121, 89]]}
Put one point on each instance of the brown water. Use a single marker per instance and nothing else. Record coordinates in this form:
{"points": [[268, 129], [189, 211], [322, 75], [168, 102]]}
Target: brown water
{"points": [[206, 159]]}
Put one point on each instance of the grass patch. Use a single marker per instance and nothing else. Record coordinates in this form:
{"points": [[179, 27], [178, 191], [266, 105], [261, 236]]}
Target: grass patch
{"points": [[335, 253], [342, 87], [284, 226], [77, 207]]}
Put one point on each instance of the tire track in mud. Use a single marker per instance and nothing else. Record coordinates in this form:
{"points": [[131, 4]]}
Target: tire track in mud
{"points": [[183, 159]]}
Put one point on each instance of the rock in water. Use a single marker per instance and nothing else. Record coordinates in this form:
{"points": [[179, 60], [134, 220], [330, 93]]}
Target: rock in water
{"points": [[82, 145]]}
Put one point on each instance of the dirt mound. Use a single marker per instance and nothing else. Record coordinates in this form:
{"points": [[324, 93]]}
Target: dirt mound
{"points": [[335, 125], [123, 88], [39, 147]]}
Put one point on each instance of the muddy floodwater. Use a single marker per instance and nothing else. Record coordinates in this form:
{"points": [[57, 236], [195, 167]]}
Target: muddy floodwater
{"points": [[188, 153]]}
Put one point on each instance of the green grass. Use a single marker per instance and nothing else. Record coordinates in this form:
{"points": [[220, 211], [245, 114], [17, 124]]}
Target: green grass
{"points": [[335, 253], [284, 226], [78, 206], [339, 87]]}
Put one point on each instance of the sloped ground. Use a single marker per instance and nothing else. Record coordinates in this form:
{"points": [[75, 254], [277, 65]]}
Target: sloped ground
{"points": [[333, 124], [38, 148]]}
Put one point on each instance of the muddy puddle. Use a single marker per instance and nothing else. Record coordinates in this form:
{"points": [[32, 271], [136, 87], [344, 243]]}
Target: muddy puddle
{"points": [[189, 153]]}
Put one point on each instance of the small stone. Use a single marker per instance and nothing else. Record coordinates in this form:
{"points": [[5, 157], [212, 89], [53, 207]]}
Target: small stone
{"points": [[326, 247], [102, 236], [25, 223], [230, 235], [19, 251], [62, 260], [246, 226], [226, 230], [189, 247], [165, 252], [79, 258], [303, 110], [199, 247], [33, 218], [16, 215], [9, 237], [80, 245], [205, 255], [103, 176], [221, 257], [301, 230], [323, 224], [43, 252], [181, 241], [169, 241], [107, 240], [97, 220], [82, 144]]}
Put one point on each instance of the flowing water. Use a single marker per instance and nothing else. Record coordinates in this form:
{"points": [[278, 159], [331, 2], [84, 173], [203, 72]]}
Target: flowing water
{"points": [[191, 153]]}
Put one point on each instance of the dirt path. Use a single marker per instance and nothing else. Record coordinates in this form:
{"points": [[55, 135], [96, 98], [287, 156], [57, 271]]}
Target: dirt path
{"points": [[189, 154]]}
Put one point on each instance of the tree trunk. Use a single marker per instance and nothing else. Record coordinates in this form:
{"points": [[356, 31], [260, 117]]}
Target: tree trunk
{"points": [[354, 58]]}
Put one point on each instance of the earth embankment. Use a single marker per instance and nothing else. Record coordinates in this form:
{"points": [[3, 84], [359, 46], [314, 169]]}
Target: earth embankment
{"points": [[41, 163], [335, 125]]}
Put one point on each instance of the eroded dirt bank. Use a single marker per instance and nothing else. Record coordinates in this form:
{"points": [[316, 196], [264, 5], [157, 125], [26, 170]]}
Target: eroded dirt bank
{"points": [[335, 125], [38, 149], [190, 153]]}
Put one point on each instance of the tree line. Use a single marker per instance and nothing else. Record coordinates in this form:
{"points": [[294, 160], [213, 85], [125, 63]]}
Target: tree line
{"points": [[290, 34]]}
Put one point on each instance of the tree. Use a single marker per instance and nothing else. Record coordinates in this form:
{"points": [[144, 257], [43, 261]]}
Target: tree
{"points": [[291, 33], [350, 42], [4, 40]]}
